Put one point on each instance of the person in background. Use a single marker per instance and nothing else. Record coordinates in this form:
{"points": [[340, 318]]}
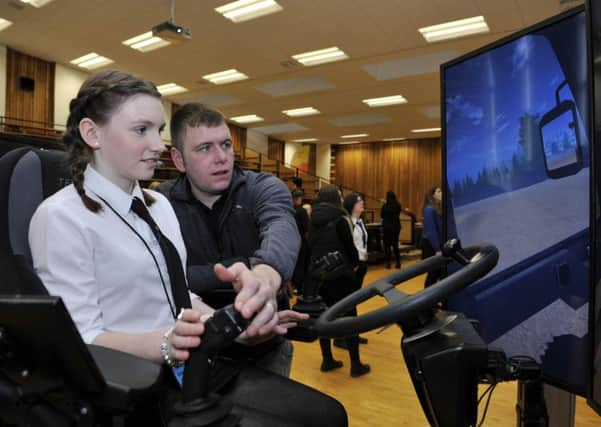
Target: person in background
{"points": [[432, 232], [232, 217], [302, 222], [330, 232], [308, 208], [355, 205], [391, 228], [114, 253]]}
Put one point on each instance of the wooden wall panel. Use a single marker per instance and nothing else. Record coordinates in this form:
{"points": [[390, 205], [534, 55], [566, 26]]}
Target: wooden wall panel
{"points": [[238, 138], [408, 168], [35, 105], [275, 149]]}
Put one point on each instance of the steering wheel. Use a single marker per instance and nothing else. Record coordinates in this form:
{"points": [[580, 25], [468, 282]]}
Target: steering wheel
{"points": [[476, 262]]}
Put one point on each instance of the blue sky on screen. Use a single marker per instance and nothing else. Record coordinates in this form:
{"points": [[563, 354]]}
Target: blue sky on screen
{"points": [[487, 95]]}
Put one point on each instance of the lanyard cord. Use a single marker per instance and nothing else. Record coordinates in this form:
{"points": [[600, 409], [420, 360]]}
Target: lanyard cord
{"points": [[156, 263]]}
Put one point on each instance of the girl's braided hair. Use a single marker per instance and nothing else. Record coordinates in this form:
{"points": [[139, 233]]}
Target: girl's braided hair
{"points": [[98, 98]]}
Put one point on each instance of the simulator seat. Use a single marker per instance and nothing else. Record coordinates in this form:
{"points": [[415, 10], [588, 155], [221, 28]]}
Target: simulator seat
{"points": [[48, 375]]}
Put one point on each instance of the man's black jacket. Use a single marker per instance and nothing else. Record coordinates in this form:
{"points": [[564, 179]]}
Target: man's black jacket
{"points": [[252, 222]]}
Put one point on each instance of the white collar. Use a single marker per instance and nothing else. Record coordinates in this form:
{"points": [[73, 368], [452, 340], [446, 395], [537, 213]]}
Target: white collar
{"points": [[108, 191]]}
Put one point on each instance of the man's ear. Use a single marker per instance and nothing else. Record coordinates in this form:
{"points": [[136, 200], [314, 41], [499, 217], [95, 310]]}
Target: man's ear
{"points": [[178, 159], [90, 133]]}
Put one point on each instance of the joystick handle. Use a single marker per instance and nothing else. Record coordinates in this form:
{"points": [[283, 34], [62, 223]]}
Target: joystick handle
{"points": [[221, 329]]}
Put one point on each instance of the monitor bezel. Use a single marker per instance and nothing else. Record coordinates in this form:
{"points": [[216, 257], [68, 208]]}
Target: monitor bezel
{"points": [[510, 270]]}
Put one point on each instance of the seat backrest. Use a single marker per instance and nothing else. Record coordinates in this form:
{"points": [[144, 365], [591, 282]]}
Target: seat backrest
{"points": [[112, 381], [27, 176]]}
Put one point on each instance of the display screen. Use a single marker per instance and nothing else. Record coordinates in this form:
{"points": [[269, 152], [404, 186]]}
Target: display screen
{"points": [[516, 163]]}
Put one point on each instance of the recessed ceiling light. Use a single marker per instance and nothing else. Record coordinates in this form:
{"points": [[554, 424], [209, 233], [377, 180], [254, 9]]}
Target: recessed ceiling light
{"points": [[356, 135], [4, 23], [226, 76], [299, 112], [36, 3], [425, 130], [348, 142], [320, 56], [244, 10], [146, 42], [394, 139], [249, 118], [91, 61], [171, 89], [385, 100], [305, 140], [453, 29]]}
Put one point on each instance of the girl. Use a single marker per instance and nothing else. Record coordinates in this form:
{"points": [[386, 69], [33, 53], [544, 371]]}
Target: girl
{"points": [[391, 228], [331, 232], [432, 233]]}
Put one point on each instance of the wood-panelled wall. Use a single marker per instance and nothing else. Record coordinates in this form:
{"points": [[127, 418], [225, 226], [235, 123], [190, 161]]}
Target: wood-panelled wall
{"points": [[238, 138], [408, 168], [275, 149], [34, 105]]}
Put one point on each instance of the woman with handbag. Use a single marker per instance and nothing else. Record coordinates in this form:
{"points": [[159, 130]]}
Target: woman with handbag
{"points": [[330, 232]]}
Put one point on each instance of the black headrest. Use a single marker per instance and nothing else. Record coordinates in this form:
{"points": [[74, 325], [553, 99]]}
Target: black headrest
{"points": [[27, 177]]}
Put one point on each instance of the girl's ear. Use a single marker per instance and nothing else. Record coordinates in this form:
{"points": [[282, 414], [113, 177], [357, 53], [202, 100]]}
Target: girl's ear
{"points": [[90, 133]]}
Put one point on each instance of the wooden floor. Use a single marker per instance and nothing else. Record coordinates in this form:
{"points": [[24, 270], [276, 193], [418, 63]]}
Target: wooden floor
{"points": [[385, 397]]}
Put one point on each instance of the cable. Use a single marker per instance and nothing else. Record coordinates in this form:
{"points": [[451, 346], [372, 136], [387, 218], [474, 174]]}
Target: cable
{"points": [[485, 392], [491, 388]]}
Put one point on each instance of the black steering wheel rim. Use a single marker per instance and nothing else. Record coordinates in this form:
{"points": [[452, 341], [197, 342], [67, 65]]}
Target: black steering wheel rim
{"points": [[403, 307]]}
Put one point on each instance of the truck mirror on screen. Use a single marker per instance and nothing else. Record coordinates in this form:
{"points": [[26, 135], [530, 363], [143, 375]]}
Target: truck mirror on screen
{"points": [[561, 141]]}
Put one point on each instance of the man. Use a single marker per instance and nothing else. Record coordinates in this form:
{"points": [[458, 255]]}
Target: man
{"points": [[233, 217]]}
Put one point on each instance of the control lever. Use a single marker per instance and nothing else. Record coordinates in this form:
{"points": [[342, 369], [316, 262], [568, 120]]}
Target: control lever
{"points": [[198, 407], [310, 302]]}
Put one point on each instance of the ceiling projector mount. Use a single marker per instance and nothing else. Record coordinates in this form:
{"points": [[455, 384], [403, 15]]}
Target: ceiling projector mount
{"points": [[170, 31]]}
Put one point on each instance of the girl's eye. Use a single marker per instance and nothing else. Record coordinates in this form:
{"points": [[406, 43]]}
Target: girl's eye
{"points": [[141, 130]]}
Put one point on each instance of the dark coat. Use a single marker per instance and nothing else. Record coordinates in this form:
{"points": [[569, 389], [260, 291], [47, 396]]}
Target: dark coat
{"points": [[331, 231], [255, 225]]}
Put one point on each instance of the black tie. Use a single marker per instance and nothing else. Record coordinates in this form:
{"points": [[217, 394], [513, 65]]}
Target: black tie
{"points": [[172, 259]]}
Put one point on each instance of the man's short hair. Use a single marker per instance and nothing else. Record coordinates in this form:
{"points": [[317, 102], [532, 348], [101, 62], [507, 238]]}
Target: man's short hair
{"points": [[193, 114], [297, 193]]}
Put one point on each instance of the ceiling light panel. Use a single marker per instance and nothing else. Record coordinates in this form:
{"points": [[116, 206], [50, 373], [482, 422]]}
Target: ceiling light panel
{"points": [[227, 76], [454, 29], [36, 3], [385, 100], [305, 140], [91, 61], [425, 130], [356, 135], [249, 118], [146, 42], [394, 139], [299, 112], [244, 10], [171, 89], [321, 56], [4, 23]]}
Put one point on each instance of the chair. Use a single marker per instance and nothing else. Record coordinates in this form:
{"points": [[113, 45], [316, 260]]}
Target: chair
{"points": [[48, 375]]}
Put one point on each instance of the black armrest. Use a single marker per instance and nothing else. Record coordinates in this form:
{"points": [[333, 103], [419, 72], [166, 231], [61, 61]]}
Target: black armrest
{"points": [[129, 379]]}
